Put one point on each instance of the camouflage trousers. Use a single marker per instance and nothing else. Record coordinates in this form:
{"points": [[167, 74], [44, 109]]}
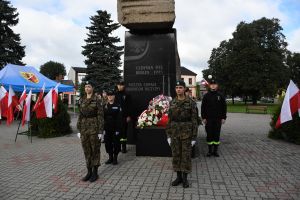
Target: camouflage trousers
{"points": [[181, 153], [91, 149]]}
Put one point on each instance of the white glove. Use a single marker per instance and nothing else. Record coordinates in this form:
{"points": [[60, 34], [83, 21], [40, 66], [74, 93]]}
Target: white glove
{"points": [[78, 135], [223, 121], [117, 133], [99, 136], [193, 142], [169, 141], [103, 132]]}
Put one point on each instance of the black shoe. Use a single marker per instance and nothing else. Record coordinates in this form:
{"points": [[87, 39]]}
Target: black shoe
{"points": [[115, 159], [210, 153], [110, 160], [94, 176], [124, 148], [185, 182], [178, 180], [216, 151], [88, 175]]}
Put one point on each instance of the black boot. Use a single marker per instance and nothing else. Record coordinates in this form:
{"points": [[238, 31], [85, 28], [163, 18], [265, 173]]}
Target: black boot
{"points": [[115, 159], [124, 148], [94, 176], [210, 152], [178, 180], [185, 182], [216, 151], [88, 175], [110, 159]]}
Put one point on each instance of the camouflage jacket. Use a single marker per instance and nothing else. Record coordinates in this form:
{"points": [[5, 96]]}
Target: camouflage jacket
{"points": [[91, 117], [182, 119]]}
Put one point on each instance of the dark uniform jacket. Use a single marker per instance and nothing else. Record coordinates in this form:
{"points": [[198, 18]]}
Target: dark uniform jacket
{"points": [[213, 106], [112, 117], [124, 100]]}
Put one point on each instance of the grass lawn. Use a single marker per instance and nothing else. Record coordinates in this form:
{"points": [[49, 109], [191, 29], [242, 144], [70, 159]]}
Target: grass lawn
{"points": [[241, 108]]}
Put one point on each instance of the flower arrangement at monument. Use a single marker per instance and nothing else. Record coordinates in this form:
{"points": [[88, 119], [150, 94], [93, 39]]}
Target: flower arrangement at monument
{"points": [[156, 114]]}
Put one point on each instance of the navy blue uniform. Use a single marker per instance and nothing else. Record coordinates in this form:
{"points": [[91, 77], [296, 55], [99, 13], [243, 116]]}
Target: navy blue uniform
{"points": [[112, 127], [213, 109]]}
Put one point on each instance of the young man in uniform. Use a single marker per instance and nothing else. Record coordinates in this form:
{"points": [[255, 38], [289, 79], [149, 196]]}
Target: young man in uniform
{"points": [[213, 113], [182, 131], [124, 100], [90, 126], [112, 127]]}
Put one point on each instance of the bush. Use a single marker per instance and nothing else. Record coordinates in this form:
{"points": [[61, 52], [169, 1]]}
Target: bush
{"points": [[289, 131], [58, 125]]}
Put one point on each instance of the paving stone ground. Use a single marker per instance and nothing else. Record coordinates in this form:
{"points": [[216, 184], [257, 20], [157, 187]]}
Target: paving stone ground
{"points": [[251, 166]]}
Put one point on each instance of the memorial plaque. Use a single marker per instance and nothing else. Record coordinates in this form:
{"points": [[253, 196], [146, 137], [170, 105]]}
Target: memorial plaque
{"points": [[149, 66]]}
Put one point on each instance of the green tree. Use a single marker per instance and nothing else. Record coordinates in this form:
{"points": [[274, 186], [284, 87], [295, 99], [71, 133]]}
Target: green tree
{"points": [[11, 50], [293, 62], [253, 62], [102, 54], [53, 70]]}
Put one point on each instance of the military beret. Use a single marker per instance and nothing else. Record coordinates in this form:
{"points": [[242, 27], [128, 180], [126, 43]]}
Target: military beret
{"points": [[180, 83], [92, 83], [121, 82], [110, 92]]}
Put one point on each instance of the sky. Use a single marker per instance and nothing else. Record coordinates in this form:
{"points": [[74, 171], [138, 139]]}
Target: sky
{"points": [[55, 29]]}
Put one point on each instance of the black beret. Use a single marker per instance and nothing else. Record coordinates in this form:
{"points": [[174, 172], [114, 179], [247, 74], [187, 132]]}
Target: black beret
{"points": [[110, 92], [180, 83], [92, 83], [121, 82]]}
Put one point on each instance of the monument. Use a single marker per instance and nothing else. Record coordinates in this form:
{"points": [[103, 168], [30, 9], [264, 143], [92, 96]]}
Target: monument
{"points": [[151, 60]]}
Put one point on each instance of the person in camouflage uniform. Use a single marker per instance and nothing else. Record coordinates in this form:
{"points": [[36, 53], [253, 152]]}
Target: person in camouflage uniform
{"points": [[90, 124], [182, 131]]}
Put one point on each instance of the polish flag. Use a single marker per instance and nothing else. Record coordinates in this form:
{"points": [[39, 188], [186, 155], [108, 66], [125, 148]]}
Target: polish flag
{"points": [[12, 102], [44, 107], [39, 97], [290, 105], [204, 82], [3, 101], [22, 99], [55, 98], [26, 109]]}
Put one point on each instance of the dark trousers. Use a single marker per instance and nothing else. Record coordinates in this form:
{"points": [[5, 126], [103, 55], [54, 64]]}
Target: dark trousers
{"points": [[213, 130], [123, 138], [112, 142]]}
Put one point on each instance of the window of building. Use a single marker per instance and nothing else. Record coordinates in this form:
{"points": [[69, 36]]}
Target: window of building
{"points": [[190, 81]]}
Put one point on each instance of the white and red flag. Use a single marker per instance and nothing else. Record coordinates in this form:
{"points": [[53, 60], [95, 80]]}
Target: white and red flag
{"points": [[40, 97], [22, 99], [3, 101], [55, 98], [12, 103], [290, 105], [26, 109], [204, 82], [44, 107]]}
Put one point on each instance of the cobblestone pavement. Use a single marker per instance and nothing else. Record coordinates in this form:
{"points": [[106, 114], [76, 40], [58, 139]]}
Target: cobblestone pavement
{"points": [[251, 166]]}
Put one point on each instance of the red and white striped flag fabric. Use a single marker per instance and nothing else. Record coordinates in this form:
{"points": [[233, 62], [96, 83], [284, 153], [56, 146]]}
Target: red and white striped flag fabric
{"points": [[26, 109], [44, 107], [204, 82], [290, 105], [55, 98], [3, 101], [40, 97], [22, 99], [12, 102]]}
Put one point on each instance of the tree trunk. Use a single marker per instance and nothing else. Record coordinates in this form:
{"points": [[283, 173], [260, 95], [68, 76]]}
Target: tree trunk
{"points": [[232, 97]]}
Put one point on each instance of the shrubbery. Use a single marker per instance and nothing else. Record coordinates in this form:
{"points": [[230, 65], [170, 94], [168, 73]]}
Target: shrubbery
{"points": [[58, 125], [289, 131]]}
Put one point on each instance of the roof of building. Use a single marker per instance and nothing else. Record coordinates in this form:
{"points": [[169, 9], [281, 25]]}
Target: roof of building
{"points": [[67, 82], [80, 69], [185, 71]]}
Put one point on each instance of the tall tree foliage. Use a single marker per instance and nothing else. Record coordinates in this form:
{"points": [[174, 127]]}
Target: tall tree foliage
{"points": [[53, 69], [253, 62], [102, 54], [11, 50], [293, 62]]}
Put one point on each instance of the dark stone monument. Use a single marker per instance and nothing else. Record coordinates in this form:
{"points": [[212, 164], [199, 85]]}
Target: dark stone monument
{"points": [[151, 64]]}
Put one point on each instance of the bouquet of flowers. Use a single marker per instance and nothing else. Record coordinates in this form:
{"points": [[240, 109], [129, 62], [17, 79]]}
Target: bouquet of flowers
{"points": [[156, 114]]}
